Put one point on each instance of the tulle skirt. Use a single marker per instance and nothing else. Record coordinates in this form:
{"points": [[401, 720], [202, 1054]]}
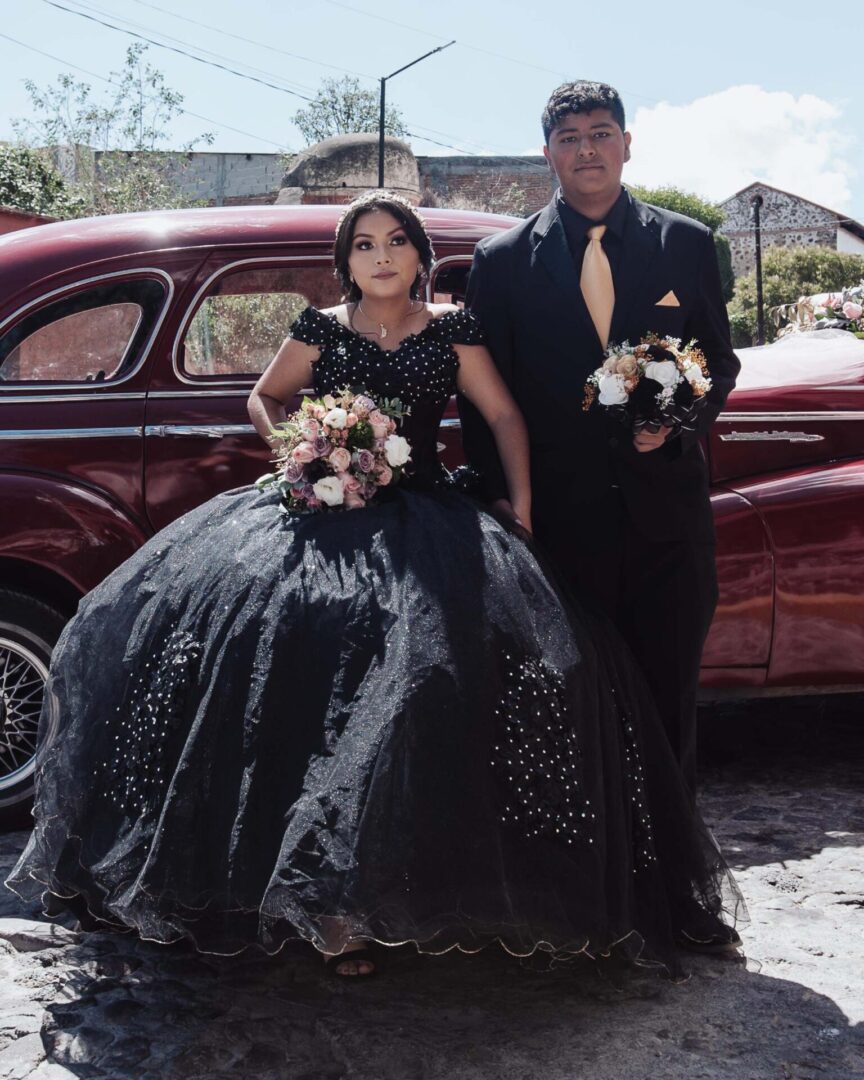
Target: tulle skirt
{"points": [[383, 724]]}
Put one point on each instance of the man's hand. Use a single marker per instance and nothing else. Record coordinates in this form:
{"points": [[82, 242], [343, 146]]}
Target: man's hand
{"points": [[646, 441]]}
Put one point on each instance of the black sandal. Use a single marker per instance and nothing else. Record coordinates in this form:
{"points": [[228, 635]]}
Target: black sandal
{"points": [[356, 956]]}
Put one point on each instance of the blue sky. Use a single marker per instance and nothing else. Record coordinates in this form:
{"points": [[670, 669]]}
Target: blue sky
{"points": [[715, 96]]}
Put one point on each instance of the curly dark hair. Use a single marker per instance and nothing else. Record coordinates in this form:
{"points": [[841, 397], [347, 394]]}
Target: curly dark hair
{"points": [[581, 97], [408, 218]]}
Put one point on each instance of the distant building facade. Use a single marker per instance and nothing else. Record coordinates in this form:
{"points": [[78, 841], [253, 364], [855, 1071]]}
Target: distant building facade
{"points": [[786, 220]]}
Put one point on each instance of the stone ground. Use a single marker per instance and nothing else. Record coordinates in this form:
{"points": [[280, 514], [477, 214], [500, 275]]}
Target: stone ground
{"points": [[784, 791]]}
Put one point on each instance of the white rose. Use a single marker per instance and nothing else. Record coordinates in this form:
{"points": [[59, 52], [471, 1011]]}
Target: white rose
{"points": [[612, 391], [329, 491], [662, 371], [693, 373], [336, 418], [396, 450]]}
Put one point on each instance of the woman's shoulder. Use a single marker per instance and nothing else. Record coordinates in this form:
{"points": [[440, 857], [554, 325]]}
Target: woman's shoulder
{"points": [[454, 325], [317, 327]]}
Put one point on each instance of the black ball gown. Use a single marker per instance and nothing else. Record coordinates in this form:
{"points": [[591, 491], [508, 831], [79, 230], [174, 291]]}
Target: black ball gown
{"points": [[379, 724]]}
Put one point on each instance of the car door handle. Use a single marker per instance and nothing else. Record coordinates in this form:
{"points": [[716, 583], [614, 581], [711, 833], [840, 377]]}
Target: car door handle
{"points": [[204, 431]]}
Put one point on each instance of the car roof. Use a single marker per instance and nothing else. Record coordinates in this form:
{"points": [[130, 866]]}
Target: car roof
{"points": [[48, 249]]}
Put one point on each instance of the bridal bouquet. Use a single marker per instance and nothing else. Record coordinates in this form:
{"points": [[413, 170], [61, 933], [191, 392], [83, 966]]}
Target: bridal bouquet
{"points": [[650, 385], [336, 451]]}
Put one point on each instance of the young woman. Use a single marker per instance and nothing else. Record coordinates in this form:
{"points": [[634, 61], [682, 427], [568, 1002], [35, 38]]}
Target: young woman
{"points": [[375, 726]]}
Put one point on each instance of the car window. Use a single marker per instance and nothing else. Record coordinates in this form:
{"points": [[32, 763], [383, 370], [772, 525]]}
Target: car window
{"points": [[241, 322], [94, 335], [450, 281]]}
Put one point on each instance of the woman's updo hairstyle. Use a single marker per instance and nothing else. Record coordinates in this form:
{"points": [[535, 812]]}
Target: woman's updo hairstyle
{"points": [[408, 218]]}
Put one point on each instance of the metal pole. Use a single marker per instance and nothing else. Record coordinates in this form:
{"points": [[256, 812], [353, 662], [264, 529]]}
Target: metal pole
{"points": [[756, 203], [384, 79], [381, 136]]}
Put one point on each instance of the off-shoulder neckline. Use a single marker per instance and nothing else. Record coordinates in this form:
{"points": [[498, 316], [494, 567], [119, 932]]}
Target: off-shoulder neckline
{"points": [[408, 337]]}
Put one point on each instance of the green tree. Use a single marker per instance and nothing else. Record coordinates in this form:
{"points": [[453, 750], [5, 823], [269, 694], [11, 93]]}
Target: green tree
{"points": [[28, 181], [111, 146], [787, 275], [343, 107], [692, 206]]}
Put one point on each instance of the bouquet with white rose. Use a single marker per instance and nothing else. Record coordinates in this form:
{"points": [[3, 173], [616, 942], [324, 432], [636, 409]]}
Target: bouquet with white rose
{"points": [[337, 451], [657, 383]]}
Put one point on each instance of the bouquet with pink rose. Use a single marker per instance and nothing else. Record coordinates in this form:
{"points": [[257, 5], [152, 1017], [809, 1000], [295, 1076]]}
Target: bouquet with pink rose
{"points": [[843, 310], [337, 451], [657, 383]]}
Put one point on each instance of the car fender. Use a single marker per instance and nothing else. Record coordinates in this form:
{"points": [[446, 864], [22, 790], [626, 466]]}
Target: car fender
{"points": [[70, 529]]}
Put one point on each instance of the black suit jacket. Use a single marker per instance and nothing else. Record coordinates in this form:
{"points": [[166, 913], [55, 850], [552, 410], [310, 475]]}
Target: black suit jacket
{"points": [[524, 289]]}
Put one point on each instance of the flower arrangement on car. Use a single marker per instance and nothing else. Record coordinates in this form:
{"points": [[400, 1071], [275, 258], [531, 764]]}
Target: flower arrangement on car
{"points": [[336, 452], [843, 310], [657, 383]]}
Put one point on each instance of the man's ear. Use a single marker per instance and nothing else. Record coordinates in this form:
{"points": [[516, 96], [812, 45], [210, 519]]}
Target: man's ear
{"points": [[548, 159], [626, 145]]}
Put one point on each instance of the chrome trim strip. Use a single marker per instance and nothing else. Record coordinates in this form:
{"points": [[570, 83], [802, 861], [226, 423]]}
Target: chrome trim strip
{"points": [[73, 433], [467, 259], [785, 417], [772, 436], [450, 423], [207, 431], [193, 307], [138, 396], [75, 286]]}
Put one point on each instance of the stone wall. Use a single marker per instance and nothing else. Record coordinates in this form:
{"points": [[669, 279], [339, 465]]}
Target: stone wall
{"points": [[786, 221]]}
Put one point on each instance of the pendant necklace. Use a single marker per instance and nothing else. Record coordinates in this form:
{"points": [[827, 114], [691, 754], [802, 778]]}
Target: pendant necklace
{"points": [[382, 329]]}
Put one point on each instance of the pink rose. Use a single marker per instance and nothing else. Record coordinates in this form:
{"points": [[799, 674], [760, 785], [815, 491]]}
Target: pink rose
{"points": [[303, 453], [310, 428], [852, 310], [313, 503], [340, 459], [353, 500], [350, 484], [351, 420], [365, 460], [379, 442], [384, 476], [380, 424], [363, 406], [318, 411], [293, 472]]}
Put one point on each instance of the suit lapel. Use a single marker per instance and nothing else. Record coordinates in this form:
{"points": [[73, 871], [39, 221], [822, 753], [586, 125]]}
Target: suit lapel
{"points": [[552, 251], [640, 246]]}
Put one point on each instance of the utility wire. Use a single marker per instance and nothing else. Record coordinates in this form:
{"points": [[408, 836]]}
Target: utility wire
{"points": [[473, 48], [252, 41], [174, 49], [111, 82]]}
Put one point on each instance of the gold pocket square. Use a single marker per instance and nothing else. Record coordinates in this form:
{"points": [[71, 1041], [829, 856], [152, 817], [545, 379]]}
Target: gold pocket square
{"points": [[669, 300]]}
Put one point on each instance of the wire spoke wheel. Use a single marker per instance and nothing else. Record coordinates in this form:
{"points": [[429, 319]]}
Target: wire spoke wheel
{"points": [[23, 675]]}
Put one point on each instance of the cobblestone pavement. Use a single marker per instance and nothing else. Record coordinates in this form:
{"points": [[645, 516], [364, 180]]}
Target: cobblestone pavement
{"points": [[783, 790]]}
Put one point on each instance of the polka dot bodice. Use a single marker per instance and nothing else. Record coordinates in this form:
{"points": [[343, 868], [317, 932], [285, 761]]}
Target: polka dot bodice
{"points": [[420, 371]]}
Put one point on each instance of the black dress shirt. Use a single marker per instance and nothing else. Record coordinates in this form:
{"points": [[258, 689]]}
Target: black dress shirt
{"points": [[576, 227]]}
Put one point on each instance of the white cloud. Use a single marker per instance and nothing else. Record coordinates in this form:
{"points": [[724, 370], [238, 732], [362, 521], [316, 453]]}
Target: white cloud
{"points": [[718, 144]]}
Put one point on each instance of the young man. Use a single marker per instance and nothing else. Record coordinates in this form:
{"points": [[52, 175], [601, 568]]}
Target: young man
{"points": [[626, 519]]}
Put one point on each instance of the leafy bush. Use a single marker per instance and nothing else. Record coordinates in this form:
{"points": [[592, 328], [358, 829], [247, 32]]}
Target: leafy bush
{"points": [[787, 274]]}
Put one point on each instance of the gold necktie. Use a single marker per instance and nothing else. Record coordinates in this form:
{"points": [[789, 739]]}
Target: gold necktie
{"points": [[596, 284]]}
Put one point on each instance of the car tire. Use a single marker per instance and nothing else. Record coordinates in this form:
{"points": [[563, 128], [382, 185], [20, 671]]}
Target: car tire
{"points": [[29, 631]]}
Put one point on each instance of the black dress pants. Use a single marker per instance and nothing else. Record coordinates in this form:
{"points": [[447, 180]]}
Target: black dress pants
{"points": [[661, 596]]}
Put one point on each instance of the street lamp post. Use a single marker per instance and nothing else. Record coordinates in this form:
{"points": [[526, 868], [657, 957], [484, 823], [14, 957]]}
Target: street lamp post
{"points": [[384, 79], [756, 203]]}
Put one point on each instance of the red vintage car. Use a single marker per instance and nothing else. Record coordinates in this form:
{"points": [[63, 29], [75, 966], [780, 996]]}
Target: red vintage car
{"points": [[128, 346]]}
